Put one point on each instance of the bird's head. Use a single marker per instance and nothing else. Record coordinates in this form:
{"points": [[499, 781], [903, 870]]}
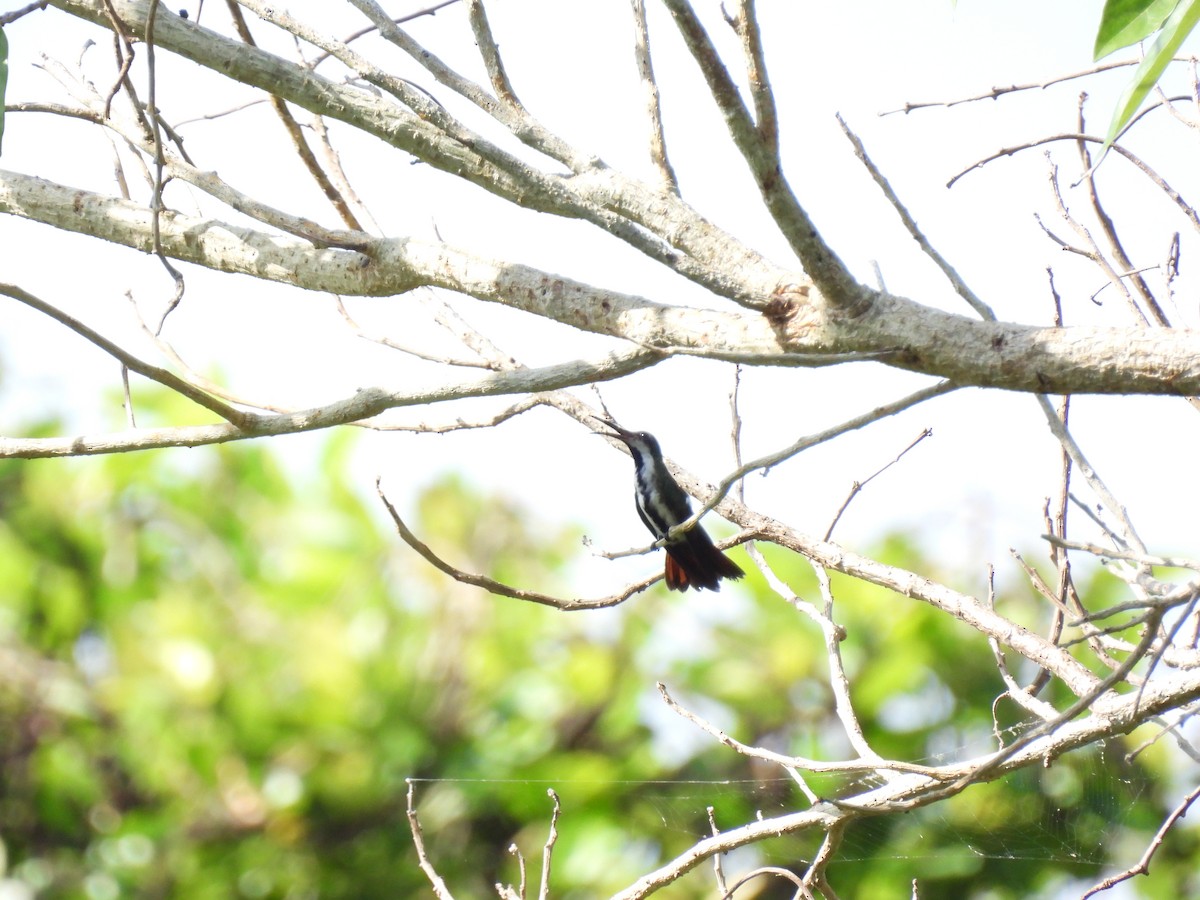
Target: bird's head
{"points": [[641, 444]]}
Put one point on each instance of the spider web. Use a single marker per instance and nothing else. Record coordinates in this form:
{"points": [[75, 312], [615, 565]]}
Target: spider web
{"points": [[1063, 819]]}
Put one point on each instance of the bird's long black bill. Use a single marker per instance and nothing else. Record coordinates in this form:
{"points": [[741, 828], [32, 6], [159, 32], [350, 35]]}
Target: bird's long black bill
{"points": [[617, 431]]}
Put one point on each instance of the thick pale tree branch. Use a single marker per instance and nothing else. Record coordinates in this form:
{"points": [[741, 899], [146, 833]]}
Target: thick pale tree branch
{"points": [[658, 224], [799, 327], [897, 331]]}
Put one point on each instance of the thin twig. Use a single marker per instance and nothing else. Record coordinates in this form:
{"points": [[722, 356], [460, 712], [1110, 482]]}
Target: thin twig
{"points": [[1140, 559], [773, 459], [777, 871], [849, 766], [414, 825], [658, 142], [307, 158], [1142, 866], [130, 418], [997, 92], [816, 874], [1023, 697], [399, 20], [735, 436], [857, 487], [839, 681], [384, 341], [1187, 209], [960, 286], [736, 745], [9, 17], [1109, 229], [156, 199], [548, 850], [123, 48], [718, 869], [209, 117], [128, 360], [337, 173], [460, 424], [507, 893], [1095, 482], [496, 587], [1092, 251]]}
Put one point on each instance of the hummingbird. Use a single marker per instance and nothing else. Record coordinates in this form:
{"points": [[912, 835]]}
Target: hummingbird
{"points": [[692, 558]]}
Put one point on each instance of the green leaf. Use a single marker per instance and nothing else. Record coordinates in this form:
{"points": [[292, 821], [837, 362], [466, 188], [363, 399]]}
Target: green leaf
{"points": [[1125, 22], [3, 78], [1174, 32]]}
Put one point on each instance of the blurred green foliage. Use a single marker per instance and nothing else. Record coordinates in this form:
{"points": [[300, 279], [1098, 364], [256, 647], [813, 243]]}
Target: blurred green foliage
{"points": [[215, 680]]}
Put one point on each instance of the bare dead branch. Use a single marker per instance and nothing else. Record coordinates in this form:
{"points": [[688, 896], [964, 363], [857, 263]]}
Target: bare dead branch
{"points": [[859, 485], [548, 850], [1142, 866], [409, 350], [235, 417], [786, 874], [820, 263], [910, 224], [791, 763], [1186, 208], [414, 825], [495, 587], [766, 118], [1109, 229], [1111, 715], [997, 92], [509, 412], [817, 869], [658, 143], [307, 158], [779, 319], [490, 53], [506, 892], [430, 10], [9, 17], [768, 462], [1140, 559]]}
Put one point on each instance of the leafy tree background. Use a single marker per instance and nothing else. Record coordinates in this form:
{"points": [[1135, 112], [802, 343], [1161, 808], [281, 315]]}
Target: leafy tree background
{"points": [[219, 677], [222, 675]]}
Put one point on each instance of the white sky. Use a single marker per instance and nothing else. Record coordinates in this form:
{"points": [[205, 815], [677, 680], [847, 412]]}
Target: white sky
{"points": [[973, 490]]}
